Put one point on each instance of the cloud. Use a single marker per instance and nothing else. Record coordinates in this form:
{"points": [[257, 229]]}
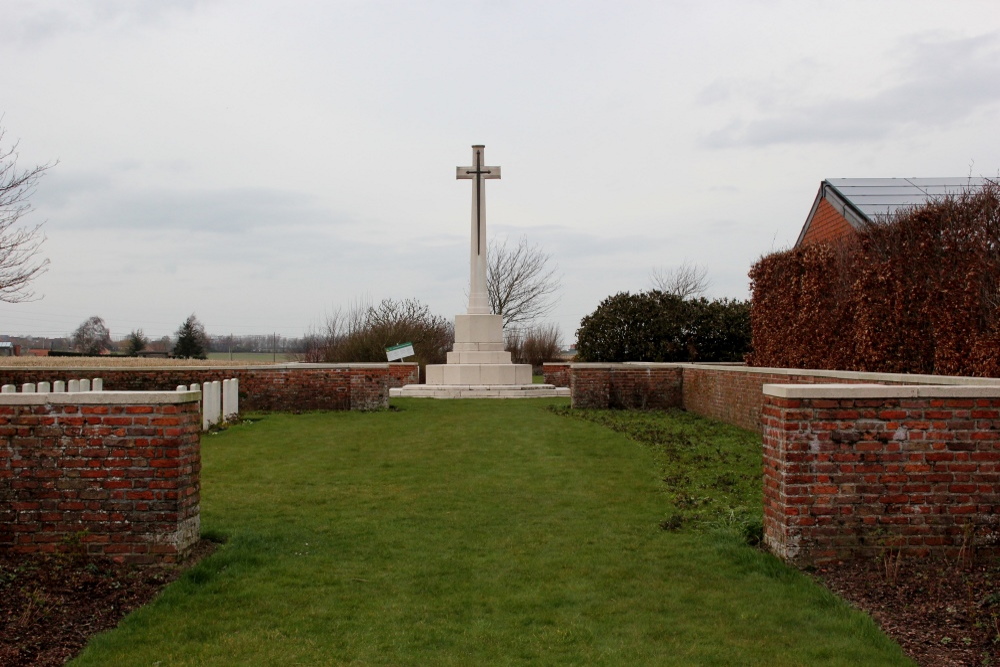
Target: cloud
{"points": [[939, 83], [99, 202], [42, 21]]}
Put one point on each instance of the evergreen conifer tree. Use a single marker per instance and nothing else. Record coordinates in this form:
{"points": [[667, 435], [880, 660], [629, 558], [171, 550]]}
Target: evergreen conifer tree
{"points": [[192, 341]]}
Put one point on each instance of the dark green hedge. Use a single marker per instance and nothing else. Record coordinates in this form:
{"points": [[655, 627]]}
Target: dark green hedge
{"points": [[654, 326]]}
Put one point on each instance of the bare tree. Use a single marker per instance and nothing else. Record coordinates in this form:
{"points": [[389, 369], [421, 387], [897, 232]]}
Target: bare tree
{"points": [[688, 281], [92, 336], [534, 345], [519, 282], [19, 246], [364, 330]]}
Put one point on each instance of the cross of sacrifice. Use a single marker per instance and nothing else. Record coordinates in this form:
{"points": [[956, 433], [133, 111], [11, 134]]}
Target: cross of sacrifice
{"points": [[479, 303], [478, 172]]}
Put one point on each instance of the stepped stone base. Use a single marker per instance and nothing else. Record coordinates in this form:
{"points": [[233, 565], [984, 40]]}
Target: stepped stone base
{"points": [[502, 374], [478, 391], [478, 366]]}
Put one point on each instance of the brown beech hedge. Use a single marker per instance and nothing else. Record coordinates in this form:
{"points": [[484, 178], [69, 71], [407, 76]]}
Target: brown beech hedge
{"points": [[917, 292]]}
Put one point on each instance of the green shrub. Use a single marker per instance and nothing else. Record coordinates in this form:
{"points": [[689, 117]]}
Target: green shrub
{"points": [[655, 326]]}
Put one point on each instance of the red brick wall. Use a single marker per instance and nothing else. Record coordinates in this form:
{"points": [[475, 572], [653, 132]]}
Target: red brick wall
{"points": [[826, 225], [731, 394], [631, 386], [403, 373], [556, 373], [122, 478], [734, 394], [728, 393], [858, 474], [266, 388]]}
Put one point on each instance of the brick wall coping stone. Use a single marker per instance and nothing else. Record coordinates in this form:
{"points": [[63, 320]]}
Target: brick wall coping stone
{"points": [[202, 367], [624, 364], [904, 378], [862, 376], [880, 391], [101, 398]]}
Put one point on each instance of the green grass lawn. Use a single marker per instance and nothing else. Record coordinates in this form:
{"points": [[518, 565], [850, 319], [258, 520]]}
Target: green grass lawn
{"points": [[477, 532]]}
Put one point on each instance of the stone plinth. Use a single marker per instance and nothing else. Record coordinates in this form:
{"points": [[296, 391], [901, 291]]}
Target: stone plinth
{"points": [[479, 391], [505, 374], [478, 357]]}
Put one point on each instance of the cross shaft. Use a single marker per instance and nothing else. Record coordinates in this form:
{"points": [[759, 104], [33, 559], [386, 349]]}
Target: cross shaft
{"points": [[478, 299]]}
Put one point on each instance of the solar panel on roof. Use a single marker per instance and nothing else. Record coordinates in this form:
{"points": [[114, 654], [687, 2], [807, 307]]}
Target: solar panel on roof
{"points": [[885, 195]]}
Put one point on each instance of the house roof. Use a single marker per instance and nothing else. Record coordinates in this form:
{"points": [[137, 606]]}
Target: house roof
{"points": [[862, 200]]}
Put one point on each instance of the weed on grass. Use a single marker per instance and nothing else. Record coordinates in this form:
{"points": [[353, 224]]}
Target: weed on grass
{"points": [[710, 471]]}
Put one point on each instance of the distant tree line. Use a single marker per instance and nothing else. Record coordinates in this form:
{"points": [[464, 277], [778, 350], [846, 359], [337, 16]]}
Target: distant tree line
{"points": [[93, 338], [521, 288], [257, 343]]}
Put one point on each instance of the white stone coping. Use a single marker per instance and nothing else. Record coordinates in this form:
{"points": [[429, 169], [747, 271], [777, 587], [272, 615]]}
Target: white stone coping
{"points": [[369, 364], [479, 391], [202, 367], [838, 391], [483, 387], [622, 364], [101, 398], [903, 378]]}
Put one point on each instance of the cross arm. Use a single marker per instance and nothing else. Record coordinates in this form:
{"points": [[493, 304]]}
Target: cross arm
{"points": [[470, 172]]}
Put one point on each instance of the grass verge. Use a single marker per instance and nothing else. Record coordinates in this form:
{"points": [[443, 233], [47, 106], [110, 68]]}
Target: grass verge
{"points": [[470, 532], [711, 472]]}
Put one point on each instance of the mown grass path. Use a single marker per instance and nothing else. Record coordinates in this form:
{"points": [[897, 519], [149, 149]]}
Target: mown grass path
{"points": [[468, 533]]}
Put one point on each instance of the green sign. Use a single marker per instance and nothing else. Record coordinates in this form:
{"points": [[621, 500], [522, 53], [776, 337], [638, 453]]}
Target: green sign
{"points": [[401, 351]]}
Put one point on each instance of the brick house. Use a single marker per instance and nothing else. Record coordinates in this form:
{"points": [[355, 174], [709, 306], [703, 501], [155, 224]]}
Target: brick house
{"points": [[843, 205]]}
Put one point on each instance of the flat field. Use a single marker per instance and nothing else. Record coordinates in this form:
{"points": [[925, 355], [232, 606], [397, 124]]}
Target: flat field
{"points": [[484, 532], [118, 362], [255, 357]]}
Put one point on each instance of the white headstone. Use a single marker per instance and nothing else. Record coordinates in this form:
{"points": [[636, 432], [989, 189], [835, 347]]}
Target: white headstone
{"points": [[58, 387], [43, 387], [211, 398], [28, 388], [84, 385], [230, 400], [74, 385]]}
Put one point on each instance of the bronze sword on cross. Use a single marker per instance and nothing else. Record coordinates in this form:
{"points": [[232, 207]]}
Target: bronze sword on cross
{"points": [[478, 172], [478, 298]]}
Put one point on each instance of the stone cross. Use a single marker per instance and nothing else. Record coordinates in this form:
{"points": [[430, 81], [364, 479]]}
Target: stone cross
{"points": [[479, 302]]}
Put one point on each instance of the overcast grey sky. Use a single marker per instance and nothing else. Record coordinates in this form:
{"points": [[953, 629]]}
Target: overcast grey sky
{"points": [[261, 163]]}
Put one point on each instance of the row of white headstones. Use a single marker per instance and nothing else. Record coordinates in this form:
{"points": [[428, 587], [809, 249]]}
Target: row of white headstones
{"points": [[57, 387], [220, 399]]}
